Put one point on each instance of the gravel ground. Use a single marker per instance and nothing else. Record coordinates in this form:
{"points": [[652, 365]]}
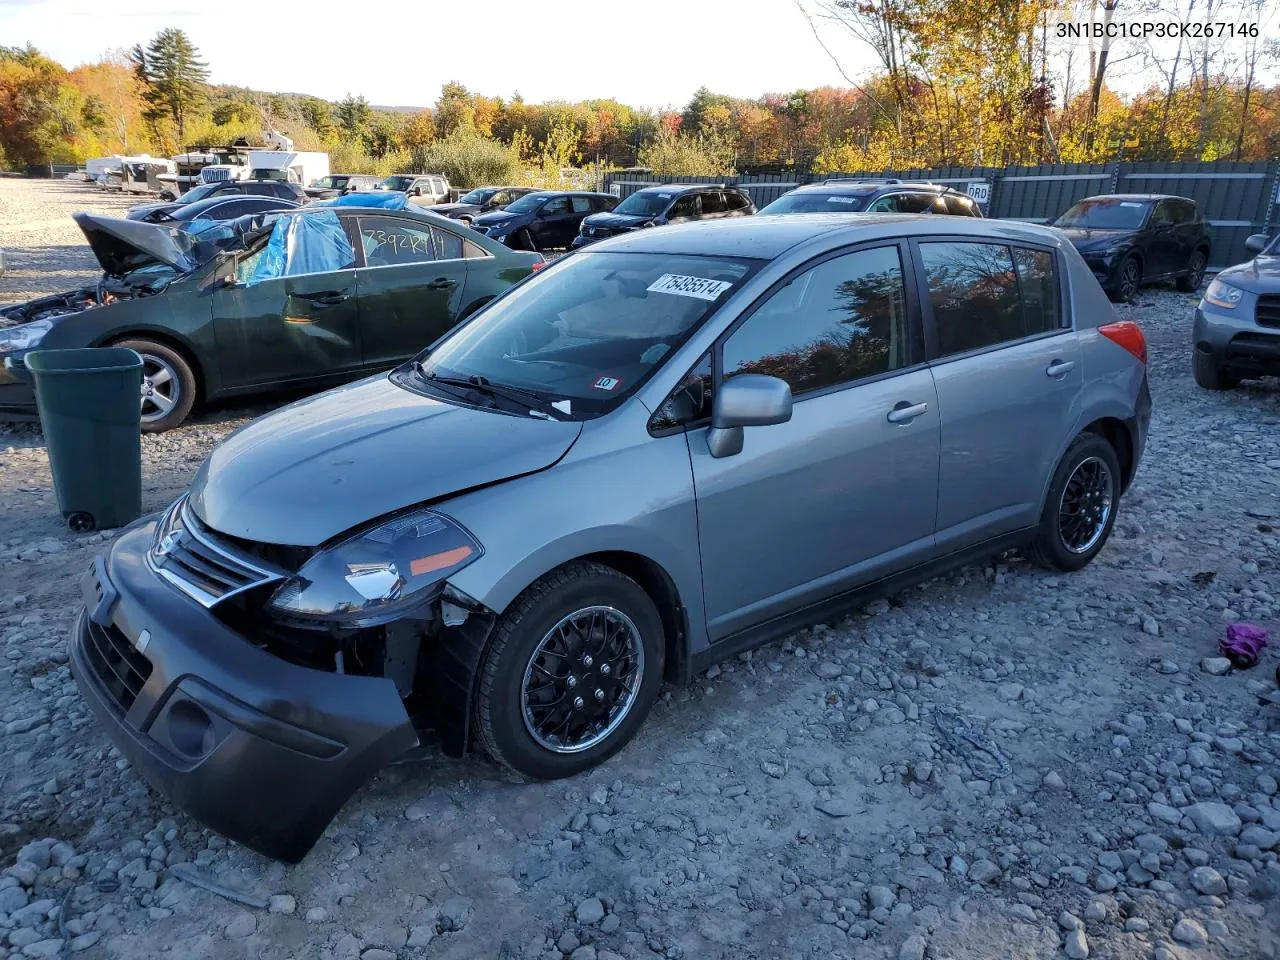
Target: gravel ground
{"points": [[999, 763]]}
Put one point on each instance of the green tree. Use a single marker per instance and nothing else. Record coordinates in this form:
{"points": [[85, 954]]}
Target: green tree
{"points": [[174, 78], [353, 116], [317, 115]]}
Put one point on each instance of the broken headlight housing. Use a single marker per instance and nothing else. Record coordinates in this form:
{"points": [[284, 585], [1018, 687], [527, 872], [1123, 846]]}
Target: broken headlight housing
{"points": [[378, 574]]}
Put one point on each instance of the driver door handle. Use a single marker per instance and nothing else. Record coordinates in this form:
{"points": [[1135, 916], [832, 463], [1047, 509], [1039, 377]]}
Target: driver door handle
{"points": [[1060, 368], [328, 298], [905, 411], [442, 283]]}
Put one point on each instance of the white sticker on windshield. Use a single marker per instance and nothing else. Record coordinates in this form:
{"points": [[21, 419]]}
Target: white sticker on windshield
{"points": [[665, 196], [682, 286], [564, 406], [1129, 203], [842, 199]]}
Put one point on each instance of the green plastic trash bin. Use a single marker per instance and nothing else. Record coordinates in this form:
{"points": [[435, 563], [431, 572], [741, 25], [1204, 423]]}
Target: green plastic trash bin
{"points": [[91, 416]]}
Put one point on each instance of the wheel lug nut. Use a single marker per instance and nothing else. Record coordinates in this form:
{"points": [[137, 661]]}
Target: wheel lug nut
{"points": [[599, 694], [604, 669], [586, 660], [578, 703], [571, 681]]}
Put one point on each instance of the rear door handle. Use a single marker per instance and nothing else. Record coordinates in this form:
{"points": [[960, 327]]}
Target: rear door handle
{"points": [[1060, 368], [905, 411], [442, 283]]}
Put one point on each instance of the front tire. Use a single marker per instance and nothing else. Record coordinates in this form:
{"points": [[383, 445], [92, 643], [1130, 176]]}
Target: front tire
{"points": [[1208, 374], [1127, 282], [168, 385], [1080, 510], [523, 240], [571, 672]]}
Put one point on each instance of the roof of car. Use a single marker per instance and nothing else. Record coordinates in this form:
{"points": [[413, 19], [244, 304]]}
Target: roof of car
{"points": [[1136, 196], [767, 237], [574, 193], [685, 187], [861, 187]]}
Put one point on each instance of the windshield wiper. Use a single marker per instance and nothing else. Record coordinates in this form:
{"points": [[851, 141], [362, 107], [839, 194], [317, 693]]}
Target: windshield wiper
{"points": [[526, 398]]}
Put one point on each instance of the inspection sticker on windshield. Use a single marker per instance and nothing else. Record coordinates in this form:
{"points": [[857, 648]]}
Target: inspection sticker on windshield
{"points": [[1129, 203], [606, 383], [842, 199], [683, 286]]}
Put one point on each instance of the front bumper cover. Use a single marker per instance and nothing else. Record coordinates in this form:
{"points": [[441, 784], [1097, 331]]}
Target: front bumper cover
{"points": [[261, 750], [17, 392]]}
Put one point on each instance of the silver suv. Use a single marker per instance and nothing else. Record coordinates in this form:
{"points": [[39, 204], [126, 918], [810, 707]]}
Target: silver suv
{"points": [[663, 450]]}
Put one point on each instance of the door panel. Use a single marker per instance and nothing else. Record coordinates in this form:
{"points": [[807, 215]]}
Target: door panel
{"points": [[835, 497], [411, 287], [290, 328]]}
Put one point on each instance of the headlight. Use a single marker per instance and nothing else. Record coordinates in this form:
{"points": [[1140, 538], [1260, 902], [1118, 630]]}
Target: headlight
{"points": [[1222, 294], [24, 336], [378, 574]]}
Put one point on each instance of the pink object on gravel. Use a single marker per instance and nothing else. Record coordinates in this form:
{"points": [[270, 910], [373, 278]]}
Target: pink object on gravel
{"points": [[1242, 644]]}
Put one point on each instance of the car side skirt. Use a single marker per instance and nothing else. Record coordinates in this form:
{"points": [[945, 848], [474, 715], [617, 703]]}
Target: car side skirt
{"points": [[770, 630]]}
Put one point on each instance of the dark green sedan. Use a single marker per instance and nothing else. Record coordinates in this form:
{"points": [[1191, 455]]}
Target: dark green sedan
{"points": [[299, 299]]}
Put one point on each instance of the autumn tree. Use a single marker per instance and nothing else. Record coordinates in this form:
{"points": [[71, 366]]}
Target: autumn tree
{"points": [[353, 115], [174, 78], [113, 87]]}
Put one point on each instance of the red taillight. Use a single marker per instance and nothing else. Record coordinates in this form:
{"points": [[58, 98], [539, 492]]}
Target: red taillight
{"points": [[1129, 335], [538, 264]]}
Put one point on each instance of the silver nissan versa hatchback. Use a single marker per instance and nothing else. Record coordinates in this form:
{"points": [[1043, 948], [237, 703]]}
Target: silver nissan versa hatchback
{"points": [[653, 454]]}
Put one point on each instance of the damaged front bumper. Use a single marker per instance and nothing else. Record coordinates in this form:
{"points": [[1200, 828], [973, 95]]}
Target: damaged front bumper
{"points": [[259, 749]]}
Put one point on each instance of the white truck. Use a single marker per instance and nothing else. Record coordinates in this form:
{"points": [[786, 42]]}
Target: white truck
{"points": [[296, 166]]}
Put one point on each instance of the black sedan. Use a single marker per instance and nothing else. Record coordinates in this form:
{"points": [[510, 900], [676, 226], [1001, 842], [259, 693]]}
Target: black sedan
{"points": [[544, 219], [1131, 239], [480, 200], [225, 190], [194, 217]]}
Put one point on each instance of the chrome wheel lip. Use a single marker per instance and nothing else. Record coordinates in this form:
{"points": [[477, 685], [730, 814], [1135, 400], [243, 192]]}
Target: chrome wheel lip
{"points": [[161, 388], [620, 711], [1096, 498]]}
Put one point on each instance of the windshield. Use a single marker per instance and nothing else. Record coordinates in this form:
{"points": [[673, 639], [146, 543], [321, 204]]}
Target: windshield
{"points": [[396, 183], [588, 332], [1107, 214], [332, 183], [528, 203], [477, 196], [797, 202], [642, 203]]}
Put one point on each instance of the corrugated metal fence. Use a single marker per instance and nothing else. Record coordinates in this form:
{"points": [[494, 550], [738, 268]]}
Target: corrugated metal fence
{"points": [[1237, 198]]}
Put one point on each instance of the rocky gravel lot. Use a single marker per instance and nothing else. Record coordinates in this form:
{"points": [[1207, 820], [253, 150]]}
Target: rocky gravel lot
{"points": [[1000, 763]]}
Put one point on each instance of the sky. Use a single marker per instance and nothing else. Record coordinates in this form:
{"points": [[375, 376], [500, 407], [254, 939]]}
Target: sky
{"points": [[655, 54], [637, 54]]}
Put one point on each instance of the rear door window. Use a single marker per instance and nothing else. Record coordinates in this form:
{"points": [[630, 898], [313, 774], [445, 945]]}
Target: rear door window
{"points": [[712, 202], [390, 241], [736, 200], [1038, 286], [581, 204], [958, 206], [973, 295]]}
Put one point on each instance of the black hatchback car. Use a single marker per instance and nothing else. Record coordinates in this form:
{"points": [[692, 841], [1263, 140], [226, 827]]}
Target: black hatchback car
{"points": [[544, 219], [874, 196], [669, 203], [1130, 239]]}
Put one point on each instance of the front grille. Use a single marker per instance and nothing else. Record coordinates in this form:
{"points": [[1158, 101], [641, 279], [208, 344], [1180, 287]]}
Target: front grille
{"points": [[120, 668], [1254, 348], [202, 564], [1267, 313], [213, 176]]}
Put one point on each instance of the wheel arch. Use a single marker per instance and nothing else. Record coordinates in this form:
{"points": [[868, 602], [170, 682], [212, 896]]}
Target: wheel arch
{"points": [[174, 343], [1120, 435]]}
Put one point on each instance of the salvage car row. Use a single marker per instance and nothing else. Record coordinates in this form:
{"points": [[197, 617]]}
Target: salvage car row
{"points": [[182, 284]]}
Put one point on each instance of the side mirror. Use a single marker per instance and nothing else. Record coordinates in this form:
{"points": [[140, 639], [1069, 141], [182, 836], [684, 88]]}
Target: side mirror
{"points": [[1256, 243], [747, 400]]}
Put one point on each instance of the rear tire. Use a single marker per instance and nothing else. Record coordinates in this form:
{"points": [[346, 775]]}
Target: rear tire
{"points": [[585, 636], [1080, 510], [523, 240], [1190, 282], [1208, 374], [171, 381]]}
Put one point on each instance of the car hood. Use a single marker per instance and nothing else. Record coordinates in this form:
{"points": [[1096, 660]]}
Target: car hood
{"points": [[498, 216], [1259, 275], [616, 221], [448, 209], [125, 245], [317, 468], [1091, 238]]}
